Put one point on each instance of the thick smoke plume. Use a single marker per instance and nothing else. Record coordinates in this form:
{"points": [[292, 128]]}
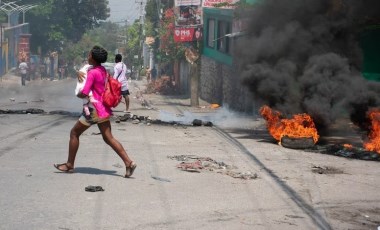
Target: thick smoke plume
{"points": [[304, 56]]}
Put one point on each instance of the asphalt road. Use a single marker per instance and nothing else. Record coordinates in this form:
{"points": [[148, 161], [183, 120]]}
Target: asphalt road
{"points": [[281, 189]]}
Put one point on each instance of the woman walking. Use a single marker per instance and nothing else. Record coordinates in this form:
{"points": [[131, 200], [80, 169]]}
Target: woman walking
{"points": [[99, 114]]}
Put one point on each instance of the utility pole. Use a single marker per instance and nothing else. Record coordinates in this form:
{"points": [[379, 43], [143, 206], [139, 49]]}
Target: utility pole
{"points": [[192, 55], [140, 2]]}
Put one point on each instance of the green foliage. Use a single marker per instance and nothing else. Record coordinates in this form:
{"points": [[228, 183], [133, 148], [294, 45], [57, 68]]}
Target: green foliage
{"points": [[106, 32], [169, 50], [52, 22], [133, 47], [152, 12]]}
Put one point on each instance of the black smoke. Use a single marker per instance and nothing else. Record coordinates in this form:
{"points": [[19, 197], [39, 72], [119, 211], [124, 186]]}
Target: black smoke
{"points": [[304, 56]]}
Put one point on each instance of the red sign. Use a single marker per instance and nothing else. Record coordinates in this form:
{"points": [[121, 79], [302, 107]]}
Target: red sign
{"points": [[187, 34]]}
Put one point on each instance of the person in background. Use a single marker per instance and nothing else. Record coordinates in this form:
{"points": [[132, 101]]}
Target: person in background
{"points": [[100, 115], [147, 73], [23, 67], [120, 73], [153, 74]]}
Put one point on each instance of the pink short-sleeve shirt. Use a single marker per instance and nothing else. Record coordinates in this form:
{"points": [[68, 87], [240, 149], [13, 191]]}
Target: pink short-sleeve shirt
{"points": [[95, 82]]}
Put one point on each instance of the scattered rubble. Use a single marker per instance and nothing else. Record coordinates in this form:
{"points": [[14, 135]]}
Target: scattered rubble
{"points": [[326, 170], [22, 111], [342, 151], [162, 85], [94, 188], [192, 163]]}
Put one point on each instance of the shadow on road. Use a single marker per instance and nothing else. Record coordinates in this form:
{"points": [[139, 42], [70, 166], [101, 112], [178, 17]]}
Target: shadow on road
{"points": [[95, 171]]}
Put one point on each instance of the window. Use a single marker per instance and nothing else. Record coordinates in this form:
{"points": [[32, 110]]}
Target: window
{"points": [[223, 42], [211, 34], [218, 24]]}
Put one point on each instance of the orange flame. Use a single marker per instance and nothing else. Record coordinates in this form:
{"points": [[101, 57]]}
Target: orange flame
{"points": [[373, 144], [348, 146], [300, 126]]}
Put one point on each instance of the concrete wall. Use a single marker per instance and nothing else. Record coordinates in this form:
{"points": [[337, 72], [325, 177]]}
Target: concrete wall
{"points": [[221, 84], [13, 39]]}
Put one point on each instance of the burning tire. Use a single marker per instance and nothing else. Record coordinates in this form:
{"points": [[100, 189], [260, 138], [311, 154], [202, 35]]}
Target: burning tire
{"points": [[297, 143]]}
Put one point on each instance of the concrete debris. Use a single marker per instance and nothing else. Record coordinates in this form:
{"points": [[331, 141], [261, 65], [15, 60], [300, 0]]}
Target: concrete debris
{"points": [[326, 170], [22, 111], [191, 166], [197, 122], [193, 163], [66, 113], [245, 175], [341, 151], [94, 188]]}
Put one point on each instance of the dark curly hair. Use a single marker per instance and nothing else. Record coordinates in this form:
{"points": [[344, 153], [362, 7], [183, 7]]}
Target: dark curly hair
{"points": [[99, 54]]}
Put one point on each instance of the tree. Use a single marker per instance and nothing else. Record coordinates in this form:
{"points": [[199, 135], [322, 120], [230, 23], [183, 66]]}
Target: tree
{"points": [[54, 22], [169, 50], [75, 53], [133, 45]]}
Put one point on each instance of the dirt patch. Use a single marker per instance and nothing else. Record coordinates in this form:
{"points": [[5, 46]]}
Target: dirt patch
{"points": [[358, 218]]}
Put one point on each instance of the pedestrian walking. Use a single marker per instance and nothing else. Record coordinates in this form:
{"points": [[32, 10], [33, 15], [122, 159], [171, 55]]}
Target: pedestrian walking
{"points": [[99, 114], [23, 68], [120, 73], [153, 74]]}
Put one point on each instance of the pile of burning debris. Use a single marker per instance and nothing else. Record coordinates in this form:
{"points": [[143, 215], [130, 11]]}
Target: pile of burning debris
{"points": [[192, 163], [300, 132]]}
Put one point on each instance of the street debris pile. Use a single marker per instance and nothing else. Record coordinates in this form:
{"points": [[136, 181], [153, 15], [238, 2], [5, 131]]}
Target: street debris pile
{"points": [[326, 170], [39, 111], [162, 85], [136, 119], [192, 163], [347, 151], [22, 111], [94, 188]]}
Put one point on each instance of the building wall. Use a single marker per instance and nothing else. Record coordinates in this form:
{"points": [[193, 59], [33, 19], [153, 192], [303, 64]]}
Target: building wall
{"points": [[369, 39], [13, 39], [221, 84]]}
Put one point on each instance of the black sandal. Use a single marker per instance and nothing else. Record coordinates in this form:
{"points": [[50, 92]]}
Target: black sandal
{"points": [[130, 169], [67, 170]]}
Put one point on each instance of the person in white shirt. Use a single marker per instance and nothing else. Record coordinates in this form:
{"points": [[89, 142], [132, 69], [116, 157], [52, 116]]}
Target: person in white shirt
{"points": [[23, 66], [120, 73]]}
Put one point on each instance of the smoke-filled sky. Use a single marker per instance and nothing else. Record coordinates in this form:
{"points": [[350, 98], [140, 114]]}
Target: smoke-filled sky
{"points": [[121, 10], [304, 56]]}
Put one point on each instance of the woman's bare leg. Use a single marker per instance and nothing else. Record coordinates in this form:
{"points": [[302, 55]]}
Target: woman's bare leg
{"points": [[75, 133], [105, 129]]}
